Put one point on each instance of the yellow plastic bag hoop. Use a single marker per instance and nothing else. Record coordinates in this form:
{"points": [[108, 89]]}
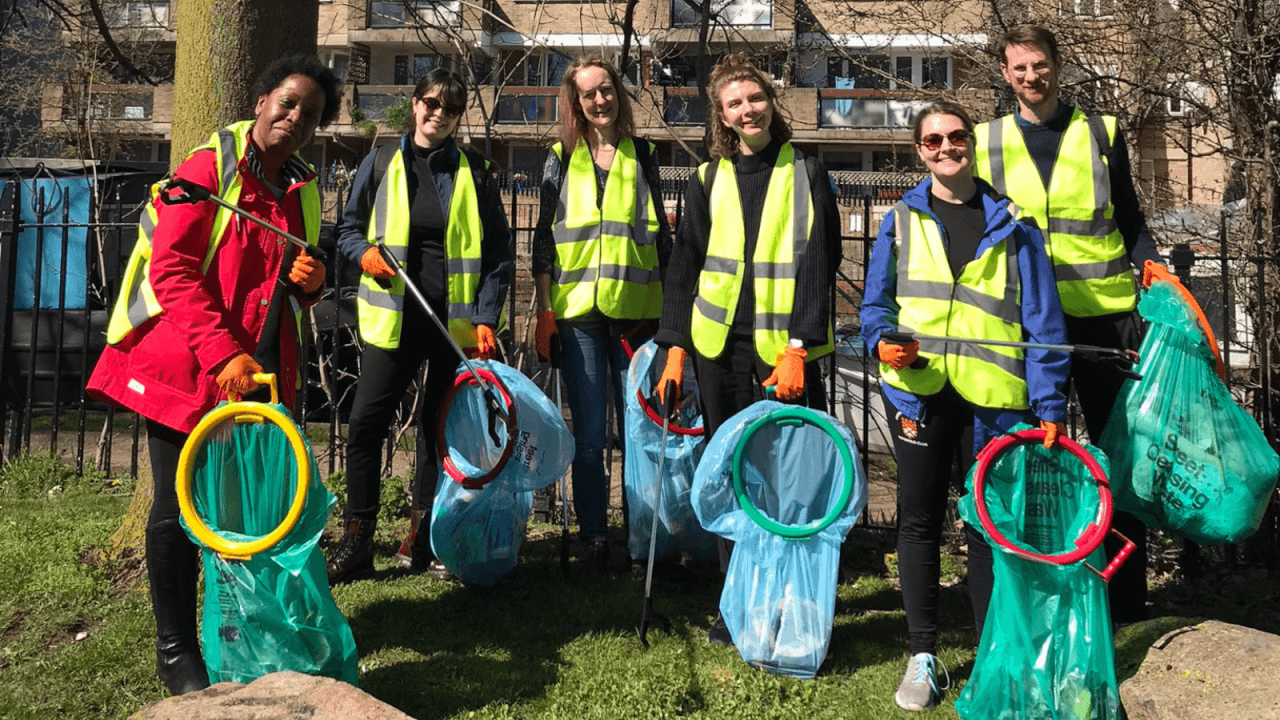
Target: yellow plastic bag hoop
{"points": [[242, 412]]}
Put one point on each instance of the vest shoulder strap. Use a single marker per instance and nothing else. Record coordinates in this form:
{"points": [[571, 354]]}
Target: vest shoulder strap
{"points": [[479, 168], [382, 161], [708, 178], [1099, 131]]}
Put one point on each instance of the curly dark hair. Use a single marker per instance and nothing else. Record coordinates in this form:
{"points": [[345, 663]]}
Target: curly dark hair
{"points": [[722, 141], [307, 66]]}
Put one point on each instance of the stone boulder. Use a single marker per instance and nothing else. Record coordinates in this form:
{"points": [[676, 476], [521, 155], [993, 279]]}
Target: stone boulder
{"points": [[1210, 671], [278, 696]]}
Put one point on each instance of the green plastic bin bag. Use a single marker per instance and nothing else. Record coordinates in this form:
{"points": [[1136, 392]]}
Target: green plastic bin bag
{"points": [[1184, 456], [267, 605], [1046, 648]]}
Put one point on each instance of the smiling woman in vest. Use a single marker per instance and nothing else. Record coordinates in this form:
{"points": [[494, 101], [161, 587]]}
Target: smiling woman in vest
{"points": [[952, 260], [749, 292], [598, 253], [205, 304], [436, 208]]}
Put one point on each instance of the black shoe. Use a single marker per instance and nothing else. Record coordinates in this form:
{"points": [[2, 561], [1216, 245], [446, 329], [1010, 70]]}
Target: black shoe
{"points": [[599, 555], [352, 559], [719, 633], [173, 567], [440, 571]]}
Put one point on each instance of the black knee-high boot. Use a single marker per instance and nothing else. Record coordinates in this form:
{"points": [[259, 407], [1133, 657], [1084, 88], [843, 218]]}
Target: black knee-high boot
{"points": [[173, 567]]}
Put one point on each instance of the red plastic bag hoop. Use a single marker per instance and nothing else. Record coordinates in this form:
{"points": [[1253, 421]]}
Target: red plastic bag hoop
{"points": [[451, 469], [1094, 533], [649, 412]]}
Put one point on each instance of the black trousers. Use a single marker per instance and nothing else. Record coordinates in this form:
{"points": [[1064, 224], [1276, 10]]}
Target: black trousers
{"points": [[931, 457], [1097, 385], [731, 382], [385, 376]]}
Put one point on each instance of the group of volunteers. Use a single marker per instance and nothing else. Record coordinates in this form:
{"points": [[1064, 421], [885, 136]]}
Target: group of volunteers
{"points": [[1027, 228]]}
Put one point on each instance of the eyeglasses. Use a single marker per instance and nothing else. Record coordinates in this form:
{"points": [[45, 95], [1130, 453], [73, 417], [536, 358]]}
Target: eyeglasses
{"points": [[957, 138], [434, 104]]}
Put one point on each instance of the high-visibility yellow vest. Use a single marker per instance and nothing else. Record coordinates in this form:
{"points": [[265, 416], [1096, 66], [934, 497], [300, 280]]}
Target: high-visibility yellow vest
{"points": [[1075, 214], [606, 256], [379, 310], [983, 303], [785, 225], [137, 300]]}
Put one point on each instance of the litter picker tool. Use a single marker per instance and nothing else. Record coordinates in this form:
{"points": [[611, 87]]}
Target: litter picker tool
{"points": [[668, 407], [193, 192], [557, 360], [1122, 360], [497, 411]]}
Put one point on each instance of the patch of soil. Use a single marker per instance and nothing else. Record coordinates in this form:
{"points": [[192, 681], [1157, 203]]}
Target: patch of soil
{"points": [[75, 632], [14, 628], [123, 573]]}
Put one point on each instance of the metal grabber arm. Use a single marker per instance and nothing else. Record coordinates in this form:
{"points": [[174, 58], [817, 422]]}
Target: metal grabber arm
{"points": [[193, 192]]}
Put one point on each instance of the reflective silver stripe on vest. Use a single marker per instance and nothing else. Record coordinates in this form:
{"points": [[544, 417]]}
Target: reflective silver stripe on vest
{"points": [[800, 212], [461, 311], [720, 265], [774, 271], [381, 298], [628, 274], [1100, 226], [565, 235], [227, 148], [464, 266], [137, 311], [995, 153], [986, 354], [1092, 271], [148, 224], [711, 312], [640, 231], [773, 320], [568, 277], [380, 203]]}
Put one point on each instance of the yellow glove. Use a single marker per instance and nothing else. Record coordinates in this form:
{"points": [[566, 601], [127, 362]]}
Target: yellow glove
{"points": [[788, 375]]}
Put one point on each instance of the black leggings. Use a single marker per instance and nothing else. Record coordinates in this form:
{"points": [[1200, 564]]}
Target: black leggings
{"points": [[928, 455]]}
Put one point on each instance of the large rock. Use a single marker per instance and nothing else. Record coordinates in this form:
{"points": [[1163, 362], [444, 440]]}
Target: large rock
{"points": [[278, 696], [1210, 671]]}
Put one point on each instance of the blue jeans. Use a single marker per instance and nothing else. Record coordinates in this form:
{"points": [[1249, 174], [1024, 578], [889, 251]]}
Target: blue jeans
{"points": [[594, 359]]}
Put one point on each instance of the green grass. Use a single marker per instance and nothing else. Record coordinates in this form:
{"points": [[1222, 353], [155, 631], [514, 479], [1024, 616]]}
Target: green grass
{"points": [[76, 640]]}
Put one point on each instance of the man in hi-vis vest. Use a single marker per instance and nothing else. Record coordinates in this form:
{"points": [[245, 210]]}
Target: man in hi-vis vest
{"points": [[1069, 171]]}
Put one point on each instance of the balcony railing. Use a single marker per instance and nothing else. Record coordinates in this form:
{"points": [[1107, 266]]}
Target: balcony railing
{"points": [[862, 109], [528, 106], [684, 106], [738, 13], [139, 15], [447, 13]]}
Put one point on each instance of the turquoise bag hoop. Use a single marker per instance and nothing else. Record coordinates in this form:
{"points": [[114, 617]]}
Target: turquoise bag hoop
{"points": [[792, 416]]}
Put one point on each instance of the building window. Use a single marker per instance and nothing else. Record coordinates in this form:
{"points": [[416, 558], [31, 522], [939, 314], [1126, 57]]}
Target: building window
{"points": [[880, 72], [142, 15], [738, 13], [408, 70], [527, 109], [415, 13], [1100, 9], [545, 70], [859, 73], [679, 71]]}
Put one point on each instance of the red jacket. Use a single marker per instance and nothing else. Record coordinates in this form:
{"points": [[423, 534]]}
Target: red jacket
{"points": [[165, 369]]}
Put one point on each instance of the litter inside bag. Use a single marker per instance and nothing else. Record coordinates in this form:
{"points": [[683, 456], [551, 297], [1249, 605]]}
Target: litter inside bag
{"points": [[1184, 456], [477, 533], [779, 593], [274, 611], [678, 527], [1046, 647]]}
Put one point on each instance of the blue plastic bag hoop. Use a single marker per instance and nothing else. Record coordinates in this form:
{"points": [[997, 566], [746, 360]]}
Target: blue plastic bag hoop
{"points": [[792, 416], [446, 462]]}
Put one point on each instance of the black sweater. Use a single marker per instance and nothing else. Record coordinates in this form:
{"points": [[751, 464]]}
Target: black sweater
{"points": [[810, 314]]}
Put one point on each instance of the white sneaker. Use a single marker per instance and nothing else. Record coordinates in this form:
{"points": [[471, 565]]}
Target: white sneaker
{"points": [[919, 689]]}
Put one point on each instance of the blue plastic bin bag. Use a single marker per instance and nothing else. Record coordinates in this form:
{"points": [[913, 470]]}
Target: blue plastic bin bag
{"points": [[785, 484], [274, 611], [66, 199], [1046, 650], [477, 532], [678, 526], [1185, 457]]}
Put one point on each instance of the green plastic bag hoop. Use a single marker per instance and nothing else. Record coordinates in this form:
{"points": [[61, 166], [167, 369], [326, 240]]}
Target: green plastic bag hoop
{"points": [[792, 416], [1093, 534]]}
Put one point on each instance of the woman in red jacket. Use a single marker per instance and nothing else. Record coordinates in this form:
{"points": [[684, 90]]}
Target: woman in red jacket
{"points": [[219, 313]]}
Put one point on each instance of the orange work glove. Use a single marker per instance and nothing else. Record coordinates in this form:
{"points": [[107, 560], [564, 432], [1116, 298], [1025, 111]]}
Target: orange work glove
{"points": [[237, 374], [1051, 432], [898, 356], [373, 264], [672, 372], [543, 332], [307, 273], [788, 375], [486, 342], [1155, 272]]}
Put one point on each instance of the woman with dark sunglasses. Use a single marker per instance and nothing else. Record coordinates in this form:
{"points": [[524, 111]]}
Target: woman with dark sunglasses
{"points": [[437, 209], [952, 260]]}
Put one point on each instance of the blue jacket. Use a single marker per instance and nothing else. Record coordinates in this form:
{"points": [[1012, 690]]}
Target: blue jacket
{"points": [[495, 248], [1042, 318]]}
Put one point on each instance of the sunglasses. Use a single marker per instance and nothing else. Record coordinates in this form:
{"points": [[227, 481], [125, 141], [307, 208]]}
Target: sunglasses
{"points": [[433, 104], [957, 138]]}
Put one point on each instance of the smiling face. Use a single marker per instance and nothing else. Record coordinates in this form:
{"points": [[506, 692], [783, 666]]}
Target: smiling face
{"points": [[950, 159], [597, 97], [433, 120], [1032, 74], [745, 108], [286, 118]]}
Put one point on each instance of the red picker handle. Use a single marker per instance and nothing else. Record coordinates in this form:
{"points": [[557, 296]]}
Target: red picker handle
{"points": [[1114, 566]]}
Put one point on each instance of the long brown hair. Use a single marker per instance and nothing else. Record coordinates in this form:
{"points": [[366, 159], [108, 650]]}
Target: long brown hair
{"points": [[722, 142], [573, 124]]}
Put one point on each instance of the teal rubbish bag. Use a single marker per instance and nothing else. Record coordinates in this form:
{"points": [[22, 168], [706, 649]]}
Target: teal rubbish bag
{"points": [[678, 528], [271, 611], [1046, 648], [785, 484], [485, 488], [1184, 456]]}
